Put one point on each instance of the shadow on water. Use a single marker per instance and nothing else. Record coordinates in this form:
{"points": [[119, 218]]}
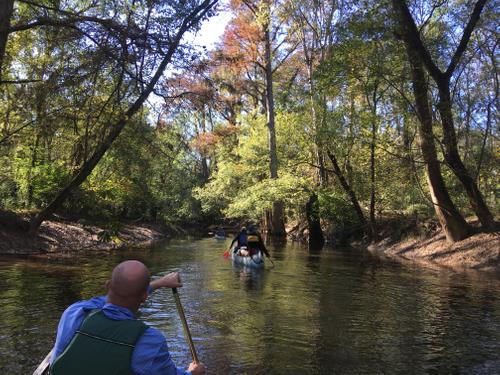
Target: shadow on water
{"points": [[314, 259], [315, 245], [275, 241], [276, 246]]}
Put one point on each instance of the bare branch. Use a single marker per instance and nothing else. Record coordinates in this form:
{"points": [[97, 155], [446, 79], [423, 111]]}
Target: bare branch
{"points": [[466, 37]]}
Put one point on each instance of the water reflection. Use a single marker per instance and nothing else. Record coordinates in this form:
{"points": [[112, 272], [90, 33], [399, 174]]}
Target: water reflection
{"points": [[248, 278], [275, 242], [317, 312]]}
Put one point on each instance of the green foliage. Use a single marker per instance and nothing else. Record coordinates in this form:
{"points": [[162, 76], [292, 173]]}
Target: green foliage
{"points": [[419, 209], [31, 183], [252, 201], [207, 157], [237, 170], [334, 208], [220, 189], [9, 188], [110, 233], [241, 188], [47, 181]]}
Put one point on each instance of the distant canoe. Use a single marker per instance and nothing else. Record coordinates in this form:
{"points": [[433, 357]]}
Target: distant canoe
{"points": [[219, 237], [254, 261]]}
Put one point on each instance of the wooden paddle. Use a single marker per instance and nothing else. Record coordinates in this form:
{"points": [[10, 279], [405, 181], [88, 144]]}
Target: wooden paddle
{"points": [[185, 326], [42, 367]]}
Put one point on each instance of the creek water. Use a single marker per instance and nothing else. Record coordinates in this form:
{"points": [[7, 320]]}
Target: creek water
{"points": [[328, 312]]}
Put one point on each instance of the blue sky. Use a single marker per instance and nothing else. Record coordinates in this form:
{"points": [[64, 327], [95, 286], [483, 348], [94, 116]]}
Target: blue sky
{"points": [[209, 34], [212, 30]]}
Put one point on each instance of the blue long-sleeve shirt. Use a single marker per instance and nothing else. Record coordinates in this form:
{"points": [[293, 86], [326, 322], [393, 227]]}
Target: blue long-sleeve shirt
{"points": [[150, 355]]}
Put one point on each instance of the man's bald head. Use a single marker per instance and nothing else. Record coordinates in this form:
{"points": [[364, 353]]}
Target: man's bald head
{"points": [[129, 283]]}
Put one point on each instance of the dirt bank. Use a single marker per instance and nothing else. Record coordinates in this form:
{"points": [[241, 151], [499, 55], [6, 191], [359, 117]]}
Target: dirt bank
{"points": [[479, 252], [59, 237], [419, 241]]}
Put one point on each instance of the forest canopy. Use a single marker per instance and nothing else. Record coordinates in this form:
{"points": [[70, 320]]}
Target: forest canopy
{"points": [[327, 115]]}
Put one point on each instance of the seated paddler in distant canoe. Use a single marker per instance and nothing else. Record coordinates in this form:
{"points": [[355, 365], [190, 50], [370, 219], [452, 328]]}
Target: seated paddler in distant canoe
{"points": [[247, 248], [220, 234]]}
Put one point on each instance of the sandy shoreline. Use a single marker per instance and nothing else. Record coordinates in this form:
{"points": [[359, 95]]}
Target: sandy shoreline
{"points": [[478, 252], [62, 237]]}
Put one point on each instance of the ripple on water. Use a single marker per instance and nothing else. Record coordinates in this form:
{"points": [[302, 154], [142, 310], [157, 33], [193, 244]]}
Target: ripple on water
{"points": [[328, 312]]}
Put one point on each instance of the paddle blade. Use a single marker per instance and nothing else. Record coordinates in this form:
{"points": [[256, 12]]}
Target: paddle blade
{"points": [[226, 254]]}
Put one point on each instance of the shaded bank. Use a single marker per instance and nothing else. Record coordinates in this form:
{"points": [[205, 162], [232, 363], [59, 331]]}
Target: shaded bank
{"points": [[63, 236], [402, 240], [480, 251], [417, 240]]}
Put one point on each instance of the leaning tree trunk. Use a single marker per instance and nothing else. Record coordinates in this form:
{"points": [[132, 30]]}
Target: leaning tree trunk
{"points": [[453, 224], [349, 190], [117, 127], [277, 219], [413, 41], [453, 160], [6, 8]]}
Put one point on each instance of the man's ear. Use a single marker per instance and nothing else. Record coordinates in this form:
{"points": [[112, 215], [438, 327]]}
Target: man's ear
{"points": [[107, 285], [144, 296]]}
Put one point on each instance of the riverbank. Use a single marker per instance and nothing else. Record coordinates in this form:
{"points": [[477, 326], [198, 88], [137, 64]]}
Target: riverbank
{"points": [[478, 252], [403, 241], [62, 236], [422, 241]]}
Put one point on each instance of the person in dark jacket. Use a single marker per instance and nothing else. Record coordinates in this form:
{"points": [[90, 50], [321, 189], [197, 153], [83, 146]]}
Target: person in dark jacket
{"points": [[255, 243], [241, 242]]}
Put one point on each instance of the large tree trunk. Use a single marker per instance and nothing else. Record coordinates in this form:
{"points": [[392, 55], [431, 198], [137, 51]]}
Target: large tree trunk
{"points": [[453, 160], [34, 158], [413, 41], [6, 8], [320, 175], [372, 182], [373, 231], [205, 170], [316, 239], [117, 127], [277, 220], [453, 224], [348, 189]]}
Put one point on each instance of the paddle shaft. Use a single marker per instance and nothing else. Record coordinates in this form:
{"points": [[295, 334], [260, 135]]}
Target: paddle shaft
{"points": [[43, 367], [185, 326]]}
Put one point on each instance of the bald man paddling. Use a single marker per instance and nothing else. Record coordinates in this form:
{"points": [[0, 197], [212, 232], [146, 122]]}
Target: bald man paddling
{"points": [[103, 336]]}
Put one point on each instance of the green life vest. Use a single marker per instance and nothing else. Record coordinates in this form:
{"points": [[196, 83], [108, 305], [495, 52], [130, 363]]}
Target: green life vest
{"points": [[101, 346]]}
